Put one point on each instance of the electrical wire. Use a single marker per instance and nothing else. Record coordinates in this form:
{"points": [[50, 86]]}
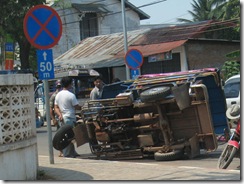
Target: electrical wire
{"points": [[180, 27], [109, 14]]}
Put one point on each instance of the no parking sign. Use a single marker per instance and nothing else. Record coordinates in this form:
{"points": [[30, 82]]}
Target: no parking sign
{"points": [[134, 59], [42, 27]]}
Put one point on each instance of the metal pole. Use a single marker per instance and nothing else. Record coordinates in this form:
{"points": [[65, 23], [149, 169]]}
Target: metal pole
{"points": [[49, 128], [125, 36]]}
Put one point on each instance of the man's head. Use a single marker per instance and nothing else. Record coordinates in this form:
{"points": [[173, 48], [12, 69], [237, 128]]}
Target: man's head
{"points": [[98, 82], [58, 84], [66, 82]]}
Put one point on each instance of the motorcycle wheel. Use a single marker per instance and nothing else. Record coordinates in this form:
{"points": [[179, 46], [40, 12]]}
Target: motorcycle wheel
{"points": [[226, 156], [170, 156], [63, 137], [92, 137], [155, 93]]}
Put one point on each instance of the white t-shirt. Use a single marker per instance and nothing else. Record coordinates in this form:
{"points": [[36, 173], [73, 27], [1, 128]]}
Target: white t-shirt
{"points": [[66, 102], [96, 93]]}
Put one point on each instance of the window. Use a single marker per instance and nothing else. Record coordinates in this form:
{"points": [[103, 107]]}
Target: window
{"points": [[88, 26], [232, 89]]}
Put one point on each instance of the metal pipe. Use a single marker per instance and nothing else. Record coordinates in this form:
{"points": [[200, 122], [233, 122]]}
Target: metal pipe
{"points": [[125, 36], [46, 90]]}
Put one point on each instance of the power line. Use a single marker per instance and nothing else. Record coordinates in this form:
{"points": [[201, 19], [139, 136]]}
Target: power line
{"points": [[137, 8], [183, 26]]}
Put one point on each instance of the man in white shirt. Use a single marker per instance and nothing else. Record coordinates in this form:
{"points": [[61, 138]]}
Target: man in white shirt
{"points": [[65, 105], [96, 93]]}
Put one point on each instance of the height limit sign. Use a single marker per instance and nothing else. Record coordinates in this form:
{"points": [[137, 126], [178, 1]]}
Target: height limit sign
{"points": [[45, 64]]}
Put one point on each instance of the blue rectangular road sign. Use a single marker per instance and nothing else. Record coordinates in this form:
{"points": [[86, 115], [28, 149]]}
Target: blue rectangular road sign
{"points": [[134, 73], [45, 64], [9, 47]]}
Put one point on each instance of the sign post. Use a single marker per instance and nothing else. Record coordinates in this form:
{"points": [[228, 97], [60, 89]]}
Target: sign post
{"points": [[43, 29], [134, 60]]}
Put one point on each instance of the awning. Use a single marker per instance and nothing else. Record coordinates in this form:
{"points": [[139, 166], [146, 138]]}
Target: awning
{"points": [[93, 62], [152, 49]]}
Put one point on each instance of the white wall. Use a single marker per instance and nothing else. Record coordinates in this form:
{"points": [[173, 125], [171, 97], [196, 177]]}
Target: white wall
{"points": [[119, 72], [18, 143], [107, 24]]}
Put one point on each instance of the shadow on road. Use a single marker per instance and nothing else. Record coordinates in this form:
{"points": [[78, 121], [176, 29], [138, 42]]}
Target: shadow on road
{"points": [[54, 174]]}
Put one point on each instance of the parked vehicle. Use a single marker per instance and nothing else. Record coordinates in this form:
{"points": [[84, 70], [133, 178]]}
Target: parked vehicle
{"points": [[232, 148], [232, 90], [168, 116], [82, 81]]}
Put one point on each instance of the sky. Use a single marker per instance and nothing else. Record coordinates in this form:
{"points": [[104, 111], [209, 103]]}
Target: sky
{"points": [[165, 12]]}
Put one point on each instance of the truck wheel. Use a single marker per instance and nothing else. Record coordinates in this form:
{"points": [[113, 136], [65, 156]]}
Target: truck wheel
{"points": [[155, 93], [173, 155], [63, 137]]}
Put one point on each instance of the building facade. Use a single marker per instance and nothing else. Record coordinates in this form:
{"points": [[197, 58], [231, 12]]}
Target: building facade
{"points": [[88, 18]]}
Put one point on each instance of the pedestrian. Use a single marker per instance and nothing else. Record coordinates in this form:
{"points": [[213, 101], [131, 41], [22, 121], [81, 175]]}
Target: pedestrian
{"points": [[96, 92], [65, 105], [53, 115]]}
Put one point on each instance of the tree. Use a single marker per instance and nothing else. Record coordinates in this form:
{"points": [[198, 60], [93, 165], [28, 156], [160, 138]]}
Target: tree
{"points": [[11, 22], [226, 12], [206, 10], [231, 66]]}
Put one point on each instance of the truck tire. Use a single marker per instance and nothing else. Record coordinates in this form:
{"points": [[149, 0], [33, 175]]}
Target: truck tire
{"points": [[63, 137], [155, 93], [173, 155]]}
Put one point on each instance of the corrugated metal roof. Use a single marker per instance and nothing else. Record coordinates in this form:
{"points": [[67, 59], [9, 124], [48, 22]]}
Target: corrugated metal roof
{"points": [[99, 50], [108, 50], [151, 49], [173, 33]]}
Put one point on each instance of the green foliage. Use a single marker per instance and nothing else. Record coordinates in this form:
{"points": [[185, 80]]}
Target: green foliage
{"points": [[232, 66], [206, 10], [227, 11], [234, 55], [11, 22]]}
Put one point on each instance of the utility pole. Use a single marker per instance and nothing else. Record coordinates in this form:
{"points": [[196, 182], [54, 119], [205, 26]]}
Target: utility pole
{"points": [[125, 36]]}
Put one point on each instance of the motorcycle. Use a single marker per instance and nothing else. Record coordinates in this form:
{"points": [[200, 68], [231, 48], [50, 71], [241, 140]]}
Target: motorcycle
{"points": [[231, 150]]}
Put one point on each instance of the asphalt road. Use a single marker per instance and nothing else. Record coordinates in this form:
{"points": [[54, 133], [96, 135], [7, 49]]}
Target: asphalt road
{"points": [[206, 161]]}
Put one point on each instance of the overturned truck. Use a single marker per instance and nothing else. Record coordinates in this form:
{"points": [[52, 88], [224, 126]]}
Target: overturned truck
{"points": [[169, 116]]}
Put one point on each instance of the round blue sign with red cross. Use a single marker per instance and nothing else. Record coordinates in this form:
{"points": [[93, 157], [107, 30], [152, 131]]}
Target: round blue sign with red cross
{"points": [[42, 27], [134, 59]]}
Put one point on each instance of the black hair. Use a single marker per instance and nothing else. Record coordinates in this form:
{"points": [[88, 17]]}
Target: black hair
{"points": [[66, 81], [115, 80], [97, 78]]}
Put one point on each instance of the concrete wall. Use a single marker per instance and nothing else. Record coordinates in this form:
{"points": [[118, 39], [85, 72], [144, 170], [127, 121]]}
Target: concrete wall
{"points": [[207, 54], [18, 144]]}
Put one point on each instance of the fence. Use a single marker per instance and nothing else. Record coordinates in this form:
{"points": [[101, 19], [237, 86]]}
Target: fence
{"points": [[18, 144]]}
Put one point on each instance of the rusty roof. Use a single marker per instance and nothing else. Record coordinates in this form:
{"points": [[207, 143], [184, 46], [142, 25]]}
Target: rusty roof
{"points": [[152, 49], [108, 50], [173, 33], [97, 49]]}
